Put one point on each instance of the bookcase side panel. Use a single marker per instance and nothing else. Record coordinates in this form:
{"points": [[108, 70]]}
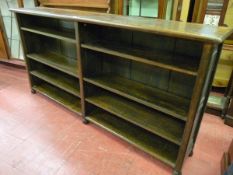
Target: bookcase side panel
{"points": [[25, 49], [201, 89]]}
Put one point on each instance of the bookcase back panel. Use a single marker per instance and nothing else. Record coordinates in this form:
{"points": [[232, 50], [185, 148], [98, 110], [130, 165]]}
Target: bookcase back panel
{"points": [[189, 48], [47, 44], [152, 41], [100, 33], [181, 85], [113, 65], [47, 23], [39, 67], [148, 46], [150, 75], [97, 64]]}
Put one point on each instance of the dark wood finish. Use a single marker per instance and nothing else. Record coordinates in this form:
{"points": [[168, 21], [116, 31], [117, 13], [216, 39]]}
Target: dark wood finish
{"points": [[128, 132], [184, 30], [59, 96], [57, 61], [210, 56], [126, 74], [151, 97], [25, 49], [54, 78], [165, 60], [69, 37], [78, 34], [153, 121]]}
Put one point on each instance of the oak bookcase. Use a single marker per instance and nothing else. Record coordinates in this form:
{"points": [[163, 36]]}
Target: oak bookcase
{"points": [[146, 81]]}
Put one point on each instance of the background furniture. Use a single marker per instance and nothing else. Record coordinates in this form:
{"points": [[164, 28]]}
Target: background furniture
{"points": [[9, 30], [218, 103], [217, 12], [227, 159], [162, 9], [114, 72], [93, 5], [228, 110], [3, 43]]}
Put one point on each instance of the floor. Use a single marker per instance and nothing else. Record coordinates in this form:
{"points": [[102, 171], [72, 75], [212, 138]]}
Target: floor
{"points": [[39, 137]]}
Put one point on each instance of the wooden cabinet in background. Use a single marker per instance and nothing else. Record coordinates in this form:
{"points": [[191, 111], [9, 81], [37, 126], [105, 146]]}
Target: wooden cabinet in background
{"points": [[3, 44], [3, 51], [88, 5]]}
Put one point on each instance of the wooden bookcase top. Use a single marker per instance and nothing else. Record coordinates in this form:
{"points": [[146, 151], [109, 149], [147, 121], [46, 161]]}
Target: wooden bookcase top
{"points": [[177, 29]]}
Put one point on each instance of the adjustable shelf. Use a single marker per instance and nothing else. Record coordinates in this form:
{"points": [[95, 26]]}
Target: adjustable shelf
{"points": [[53, 33], [54, 78], [162, 125], [178, 63], [69, 101], [157, 147], [151, 97], [56, 61]]}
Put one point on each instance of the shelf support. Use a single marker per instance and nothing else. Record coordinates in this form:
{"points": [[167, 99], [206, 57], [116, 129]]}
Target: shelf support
{"points": [[78, 36], [209, 60]]}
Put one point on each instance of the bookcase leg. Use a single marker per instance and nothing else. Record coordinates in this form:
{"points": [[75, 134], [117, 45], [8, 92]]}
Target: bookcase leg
{"points": [[33, 91], [85, 121], [191, 153], [175, 172]]}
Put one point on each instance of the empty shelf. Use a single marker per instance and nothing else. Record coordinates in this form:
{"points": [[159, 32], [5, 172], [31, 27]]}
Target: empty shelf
{"points": [[151, 97], [56, 61], [61, 97], [148, 119], [67, 84], [61, 35], [164, 60], [150, 143]]}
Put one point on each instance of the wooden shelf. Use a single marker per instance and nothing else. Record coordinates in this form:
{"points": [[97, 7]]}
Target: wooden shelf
{"points": [[61, 97], [62, 82], [150, 120], [151, 97], [165, 60], [61, 35], [56, 61], [156, 146]]}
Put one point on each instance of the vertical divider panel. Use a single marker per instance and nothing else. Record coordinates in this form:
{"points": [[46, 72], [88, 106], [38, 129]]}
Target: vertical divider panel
{"points": [[78, 35]]}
